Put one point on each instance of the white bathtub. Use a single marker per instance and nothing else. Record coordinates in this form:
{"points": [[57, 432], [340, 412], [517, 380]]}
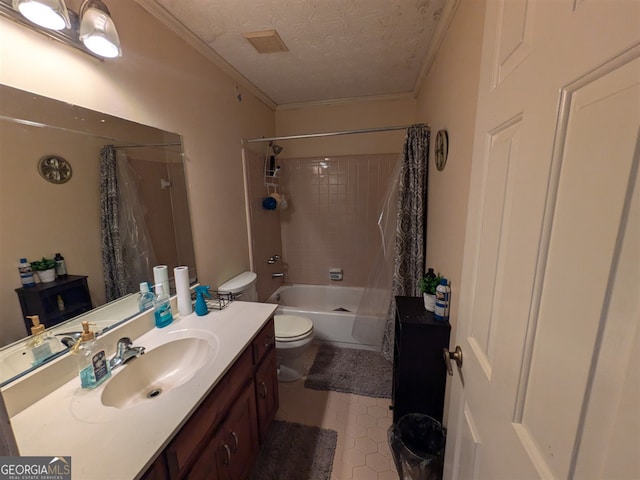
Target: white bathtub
{"points": [[331, 309]]}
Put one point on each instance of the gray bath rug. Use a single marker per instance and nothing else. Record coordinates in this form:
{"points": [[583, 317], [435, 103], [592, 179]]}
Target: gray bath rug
{"points": [[349, 370], [296, 452]]}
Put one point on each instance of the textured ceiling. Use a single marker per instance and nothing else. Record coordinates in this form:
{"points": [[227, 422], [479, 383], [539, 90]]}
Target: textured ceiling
{"points": [[338, 49]]}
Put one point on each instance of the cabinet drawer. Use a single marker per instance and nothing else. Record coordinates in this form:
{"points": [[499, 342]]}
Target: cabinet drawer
{"points": [[264, 341], [186, 443]]}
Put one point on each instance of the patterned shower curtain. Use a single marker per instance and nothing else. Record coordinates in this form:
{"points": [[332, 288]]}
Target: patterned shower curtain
{"points": [[115, 274], [410, 230]]}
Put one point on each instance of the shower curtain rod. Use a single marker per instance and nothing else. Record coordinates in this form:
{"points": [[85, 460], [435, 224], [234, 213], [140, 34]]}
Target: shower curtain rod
{"points": [[330, 134], [149, 145]]}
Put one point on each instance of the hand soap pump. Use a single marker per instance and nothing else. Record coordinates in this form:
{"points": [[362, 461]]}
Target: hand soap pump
{"points": [[201, 305], [39, 343], [92, 360]]}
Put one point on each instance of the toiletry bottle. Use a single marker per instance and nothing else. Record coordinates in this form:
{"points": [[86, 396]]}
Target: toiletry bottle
{"points": [[441, 310], [39, 344], [61, 268], [91, 358], [26, 274], [145, 297], [162, 307], [430, 274], [201, 304], [60, 303]]}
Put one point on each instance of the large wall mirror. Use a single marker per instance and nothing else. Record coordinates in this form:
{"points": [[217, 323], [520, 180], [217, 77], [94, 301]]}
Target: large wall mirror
{"points": [[42, 217]]}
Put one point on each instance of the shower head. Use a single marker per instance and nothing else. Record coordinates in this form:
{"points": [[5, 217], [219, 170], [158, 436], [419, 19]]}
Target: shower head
{"points": [[276, 148]]}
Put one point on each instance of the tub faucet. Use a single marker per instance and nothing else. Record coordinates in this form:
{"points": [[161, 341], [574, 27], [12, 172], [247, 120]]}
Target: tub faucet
{"points": [[277, 275], [273, 259], [125, 351]]}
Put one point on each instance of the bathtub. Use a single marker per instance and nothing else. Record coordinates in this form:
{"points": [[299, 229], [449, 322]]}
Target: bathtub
{"points": [[331, 309]]}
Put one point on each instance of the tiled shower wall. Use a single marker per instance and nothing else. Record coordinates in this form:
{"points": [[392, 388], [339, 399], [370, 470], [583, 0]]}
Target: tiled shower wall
{"points": [[331, 221]]}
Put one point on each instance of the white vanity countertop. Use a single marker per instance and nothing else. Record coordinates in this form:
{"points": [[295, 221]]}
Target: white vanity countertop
{"points": [[119, 444]]}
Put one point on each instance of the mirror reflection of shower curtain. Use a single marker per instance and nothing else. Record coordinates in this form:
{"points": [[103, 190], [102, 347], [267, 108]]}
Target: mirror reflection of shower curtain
{"points": [[369, 322], [127, 253]]}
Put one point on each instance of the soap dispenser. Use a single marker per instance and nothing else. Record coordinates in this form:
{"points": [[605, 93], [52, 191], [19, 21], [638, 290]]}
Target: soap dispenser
{"points": [[91, 358], [39, 344]]}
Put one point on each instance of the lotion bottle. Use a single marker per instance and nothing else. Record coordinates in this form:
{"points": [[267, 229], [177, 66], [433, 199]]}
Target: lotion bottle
{"points": [[441, 310], [91, 357]]}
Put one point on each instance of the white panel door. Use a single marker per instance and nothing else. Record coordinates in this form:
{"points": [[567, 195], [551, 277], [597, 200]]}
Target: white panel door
{"points": [[550, 296]]}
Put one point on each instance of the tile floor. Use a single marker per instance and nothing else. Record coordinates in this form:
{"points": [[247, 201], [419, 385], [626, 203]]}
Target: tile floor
{"points": [[362, 451]]}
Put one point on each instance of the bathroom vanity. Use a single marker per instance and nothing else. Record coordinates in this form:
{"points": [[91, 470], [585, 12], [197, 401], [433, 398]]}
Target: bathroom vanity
{"points": [[221, 439], [208, 423]]}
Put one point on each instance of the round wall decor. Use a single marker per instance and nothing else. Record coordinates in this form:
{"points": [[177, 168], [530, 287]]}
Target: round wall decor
{"points": [[441, 149], [54, 169]]}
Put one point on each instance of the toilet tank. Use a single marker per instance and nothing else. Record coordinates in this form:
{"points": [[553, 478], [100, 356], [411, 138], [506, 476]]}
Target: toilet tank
{"points": [[243, 286]]}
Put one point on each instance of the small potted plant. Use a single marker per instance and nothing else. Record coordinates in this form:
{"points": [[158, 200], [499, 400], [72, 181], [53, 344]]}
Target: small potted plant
{"points": [[46, 269], [427, 286]]}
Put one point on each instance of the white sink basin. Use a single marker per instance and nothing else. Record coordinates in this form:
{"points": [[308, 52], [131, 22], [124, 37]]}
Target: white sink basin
{"points": [[158, 371]]}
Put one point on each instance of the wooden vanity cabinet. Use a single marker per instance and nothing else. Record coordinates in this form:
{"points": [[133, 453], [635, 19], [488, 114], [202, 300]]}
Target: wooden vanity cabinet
{"points": [[221, 440], [232, 451], [266, 378]]}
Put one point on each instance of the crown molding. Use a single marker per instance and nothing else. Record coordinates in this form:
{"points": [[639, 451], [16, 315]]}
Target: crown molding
{"points": [[346, 101], [439, 34], [161, 13]]}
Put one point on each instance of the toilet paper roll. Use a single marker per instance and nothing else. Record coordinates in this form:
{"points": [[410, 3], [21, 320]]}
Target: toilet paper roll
{"points": [[161, 276], [183, 292]]}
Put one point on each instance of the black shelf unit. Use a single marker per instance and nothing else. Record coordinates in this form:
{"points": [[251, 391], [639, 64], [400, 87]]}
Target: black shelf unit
{"points": [[419, 371], [42, 300]]}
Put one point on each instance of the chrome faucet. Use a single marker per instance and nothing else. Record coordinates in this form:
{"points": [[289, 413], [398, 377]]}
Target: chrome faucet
{"points": [[125, 351]]}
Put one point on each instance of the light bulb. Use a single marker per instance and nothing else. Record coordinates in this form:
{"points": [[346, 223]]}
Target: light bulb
{"points": [[50, 14]]}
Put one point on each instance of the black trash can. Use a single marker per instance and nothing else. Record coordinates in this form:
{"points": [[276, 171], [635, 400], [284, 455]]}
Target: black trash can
{"points": [[417, 444]]}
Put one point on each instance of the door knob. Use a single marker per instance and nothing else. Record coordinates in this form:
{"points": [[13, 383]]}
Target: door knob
{"points": [[455, 355]]}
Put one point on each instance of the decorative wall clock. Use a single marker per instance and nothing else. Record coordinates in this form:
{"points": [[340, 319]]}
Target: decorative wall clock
{"points": [[54, 169], [441, 149]]}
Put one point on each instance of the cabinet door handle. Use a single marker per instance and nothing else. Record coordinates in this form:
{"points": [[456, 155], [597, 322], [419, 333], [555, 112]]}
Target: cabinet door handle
{"points": [[264, 390], [269, 342], [235, 439], [227, 460]]}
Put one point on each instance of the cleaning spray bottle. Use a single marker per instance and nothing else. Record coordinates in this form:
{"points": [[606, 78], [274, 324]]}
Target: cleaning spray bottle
{"points": [[201, 305]]}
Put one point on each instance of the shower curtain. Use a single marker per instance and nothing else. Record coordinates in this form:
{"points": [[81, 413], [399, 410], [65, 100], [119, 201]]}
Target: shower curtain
{"points": [[127, 252], [409, 249], [115, 273]]}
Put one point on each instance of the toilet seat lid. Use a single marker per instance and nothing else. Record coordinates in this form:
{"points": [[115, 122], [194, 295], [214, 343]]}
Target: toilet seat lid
{"points": [[289, 327]]}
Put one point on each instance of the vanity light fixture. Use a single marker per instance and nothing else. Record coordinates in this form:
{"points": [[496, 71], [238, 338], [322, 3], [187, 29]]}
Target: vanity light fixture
{"points": [[97, 30], [51, 14], [92, 30]]}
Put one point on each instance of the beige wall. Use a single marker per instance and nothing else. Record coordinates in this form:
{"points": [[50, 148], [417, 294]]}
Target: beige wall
{"points": [[448, 101], [331, 117], [162, 82]]}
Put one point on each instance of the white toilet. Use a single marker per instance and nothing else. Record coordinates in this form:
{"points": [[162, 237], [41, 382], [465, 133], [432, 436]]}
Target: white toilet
{"points": [[293, 333]]}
